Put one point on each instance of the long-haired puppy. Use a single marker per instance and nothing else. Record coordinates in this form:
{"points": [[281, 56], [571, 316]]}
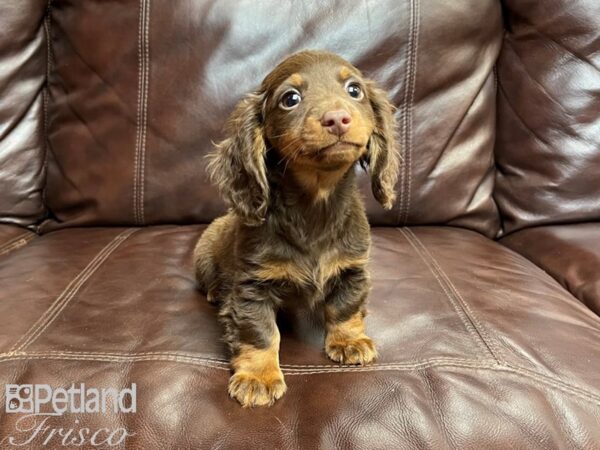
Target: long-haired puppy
{"points": [[297, 229]]}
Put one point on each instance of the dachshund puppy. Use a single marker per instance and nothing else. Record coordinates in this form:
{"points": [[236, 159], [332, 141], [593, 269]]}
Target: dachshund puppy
{"points": [[297, 229]]}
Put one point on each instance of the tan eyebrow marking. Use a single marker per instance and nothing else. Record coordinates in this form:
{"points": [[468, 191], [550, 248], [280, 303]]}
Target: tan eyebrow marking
{"points": [[345, 73], [296, 80]]}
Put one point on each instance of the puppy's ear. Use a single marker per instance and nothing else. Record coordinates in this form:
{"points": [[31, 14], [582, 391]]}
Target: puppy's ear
{"points": [[238, 167], [382, 151]]}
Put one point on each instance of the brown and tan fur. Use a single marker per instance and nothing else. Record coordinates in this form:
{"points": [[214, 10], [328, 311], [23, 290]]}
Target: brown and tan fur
{"points": [[297, 229]]}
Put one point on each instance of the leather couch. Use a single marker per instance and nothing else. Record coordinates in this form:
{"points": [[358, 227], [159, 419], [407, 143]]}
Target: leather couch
{"points": [[486, 274]]}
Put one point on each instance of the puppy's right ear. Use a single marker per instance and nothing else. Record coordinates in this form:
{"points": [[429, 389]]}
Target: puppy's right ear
{"points": [[238, 166]]}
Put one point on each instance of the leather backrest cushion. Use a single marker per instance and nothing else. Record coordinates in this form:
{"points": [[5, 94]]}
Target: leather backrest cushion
{"points": [[22, 76], [140, 89], [548, 145]]}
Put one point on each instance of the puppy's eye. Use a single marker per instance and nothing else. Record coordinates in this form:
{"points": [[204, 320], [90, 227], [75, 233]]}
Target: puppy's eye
{"points": [[355, 91], [290, 100]]}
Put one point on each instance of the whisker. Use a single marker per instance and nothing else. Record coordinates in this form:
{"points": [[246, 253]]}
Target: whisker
{"points": [[293, 157], [284, 148], [289, 144], [278, 135]]}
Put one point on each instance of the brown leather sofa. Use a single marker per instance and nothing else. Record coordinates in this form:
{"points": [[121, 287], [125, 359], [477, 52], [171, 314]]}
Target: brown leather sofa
{"points": [[486, 274]]}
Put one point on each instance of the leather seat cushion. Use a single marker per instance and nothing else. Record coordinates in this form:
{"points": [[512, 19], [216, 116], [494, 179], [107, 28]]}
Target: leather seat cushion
{"points": [[475, 349]]}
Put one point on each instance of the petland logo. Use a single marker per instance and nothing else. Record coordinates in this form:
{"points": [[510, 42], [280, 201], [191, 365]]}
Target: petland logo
{"points": [[40, 402], [38, 398]]}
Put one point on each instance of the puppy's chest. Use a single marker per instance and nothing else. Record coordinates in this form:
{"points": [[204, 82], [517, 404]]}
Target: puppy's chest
{"points": [[310, 272]]}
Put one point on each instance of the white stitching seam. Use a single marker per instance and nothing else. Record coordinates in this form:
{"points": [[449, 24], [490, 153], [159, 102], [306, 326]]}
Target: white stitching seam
{"points": [[70, 291], [138, 117], [479, 328], [46, 99], [403, 121], [14, 246], [476, 365], [212, 360], [407, 111], [16, 242], [142, 112], [411, 104], [460, 311], [145, 113]]}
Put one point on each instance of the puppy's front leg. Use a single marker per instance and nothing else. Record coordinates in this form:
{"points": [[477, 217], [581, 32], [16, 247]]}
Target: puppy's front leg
{"points": [[253, 337], [346, 341]]}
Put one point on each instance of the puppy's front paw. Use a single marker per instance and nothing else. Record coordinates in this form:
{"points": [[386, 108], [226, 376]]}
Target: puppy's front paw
{"points": [[252, 390], [359, 350]]}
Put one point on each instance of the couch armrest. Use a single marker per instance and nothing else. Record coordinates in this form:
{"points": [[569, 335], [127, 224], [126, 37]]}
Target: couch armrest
{"points": [[569, 253]]}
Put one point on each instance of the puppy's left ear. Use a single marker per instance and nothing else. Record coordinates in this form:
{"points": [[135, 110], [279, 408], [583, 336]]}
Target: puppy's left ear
{"points": [[382, 150]]}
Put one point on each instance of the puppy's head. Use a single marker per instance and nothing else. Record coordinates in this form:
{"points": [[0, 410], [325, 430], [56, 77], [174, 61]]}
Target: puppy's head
{"points": [[319, 115]]}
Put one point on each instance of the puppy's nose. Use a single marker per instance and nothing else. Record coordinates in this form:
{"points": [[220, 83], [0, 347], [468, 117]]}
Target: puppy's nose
{"points": [[336, 122]]}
